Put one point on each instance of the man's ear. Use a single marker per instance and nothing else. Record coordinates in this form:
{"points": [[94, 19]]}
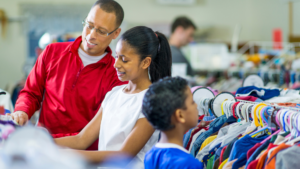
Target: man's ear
{"points": [[117, 33], [179, 29]]}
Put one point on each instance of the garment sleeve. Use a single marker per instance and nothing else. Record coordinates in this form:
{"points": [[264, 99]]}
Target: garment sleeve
{"points": [[31, 96]]}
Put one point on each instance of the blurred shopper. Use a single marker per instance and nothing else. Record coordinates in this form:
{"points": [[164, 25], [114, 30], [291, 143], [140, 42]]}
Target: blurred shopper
{"points": [[182, 33]]}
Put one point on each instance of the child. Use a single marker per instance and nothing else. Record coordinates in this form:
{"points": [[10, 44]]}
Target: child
{"points": [[120, 124], [169, 106]]}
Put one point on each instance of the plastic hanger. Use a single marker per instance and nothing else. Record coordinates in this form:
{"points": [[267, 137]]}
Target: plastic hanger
{"points": [[255, 118], [248, 112], [260, 116], [278, 130], [273, 118], [230, 108], [238, 110], [234, 109], [295, 117], [243, 113], [284, 126], [266, 128]]}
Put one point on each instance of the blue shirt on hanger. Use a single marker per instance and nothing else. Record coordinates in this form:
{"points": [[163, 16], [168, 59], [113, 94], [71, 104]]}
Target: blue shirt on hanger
{"points": [[240, 149]]}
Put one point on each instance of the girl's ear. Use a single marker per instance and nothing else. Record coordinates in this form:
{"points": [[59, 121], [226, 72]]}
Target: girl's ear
{"points": [[146, 63]]}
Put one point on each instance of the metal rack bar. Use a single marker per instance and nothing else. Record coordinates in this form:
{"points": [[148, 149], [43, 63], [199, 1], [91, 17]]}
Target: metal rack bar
{"points": [[269, 104]]}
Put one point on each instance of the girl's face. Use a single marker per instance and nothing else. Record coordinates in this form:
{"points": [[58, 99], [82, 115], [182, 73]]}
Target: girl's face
{"points": [[128, 63]]}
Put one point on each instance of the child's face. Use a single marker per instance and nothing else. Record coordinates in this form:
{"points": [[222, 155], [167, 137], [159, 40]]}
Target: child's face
{"points": [[127, 62], [191, 110]]}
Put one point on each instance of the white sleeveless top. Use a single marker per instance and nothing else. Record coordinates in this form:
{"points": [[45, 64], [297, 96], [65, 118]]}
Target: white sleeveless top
{"points": [[120, 114]]}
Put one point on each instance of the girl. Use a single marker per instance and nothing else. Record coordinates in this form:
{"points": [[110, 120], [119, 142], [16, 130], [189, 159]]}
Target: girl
{"points": [[119, 123]]}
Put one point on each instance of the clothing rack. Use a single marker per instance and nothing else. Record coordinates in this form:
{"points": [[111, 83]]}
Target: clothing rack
{"points": [[282, 107]]}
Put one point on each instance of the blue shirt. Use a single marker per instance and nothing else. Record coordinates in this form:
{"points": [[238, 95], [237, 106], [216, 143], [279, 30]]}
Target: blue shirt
{"points": [[240, 149], [170, 156]]}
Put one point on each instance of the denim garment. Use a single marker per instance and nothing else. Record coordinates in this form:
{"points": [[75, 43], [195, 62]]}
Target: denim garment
{"points": [[213, 127]]}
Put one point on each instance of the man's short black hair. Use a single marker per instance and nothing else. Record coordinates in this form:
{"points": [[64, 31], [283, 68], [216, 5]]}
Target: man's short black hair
{"points": [[183, 21], [162, 99], [110, 6]]}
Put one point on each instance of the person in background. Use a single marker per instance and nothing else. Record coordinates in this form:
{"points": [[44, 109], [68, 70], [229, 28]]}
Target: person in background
{"points": [[182, 32], [142, 58], [169, 107], [72, 78]]}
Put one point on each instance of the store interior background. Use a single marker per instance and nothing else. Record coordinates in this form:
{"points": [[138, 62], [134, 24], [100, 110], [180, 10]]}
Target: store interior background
{"points": [[216, 20]]}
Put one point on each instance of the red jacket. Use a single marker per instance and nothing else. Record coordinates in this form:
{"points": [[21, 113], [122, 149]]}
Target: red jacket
{"points": [[71, 93]]}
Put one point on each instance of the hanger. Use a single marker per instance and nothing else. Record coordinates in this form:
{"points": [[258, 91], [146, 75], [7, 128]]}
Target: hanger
{"points": [[238, 110], [295, 129], [277, 128], [284, 126], [243, 113], [256, 114], [234, 109], [248, 112], [229, 108], [260, 115], [267, 129], [273, 118]]}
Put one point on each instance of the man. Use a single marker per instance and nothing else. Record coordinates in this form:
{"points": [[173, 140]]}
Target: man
{"points": [[182, 33], [72, 78]]}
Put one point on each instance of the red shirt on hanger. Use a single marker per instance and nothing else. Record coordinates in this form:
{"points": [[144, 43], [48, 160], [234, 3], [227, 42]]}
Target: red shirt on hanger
{"points": [[71, 93]]}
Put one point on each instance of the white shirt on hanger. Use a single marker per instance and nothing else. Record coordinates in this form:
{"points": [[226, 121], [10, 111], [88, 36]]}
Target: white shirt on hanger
{"points": [[121, 111], [87, 59]]}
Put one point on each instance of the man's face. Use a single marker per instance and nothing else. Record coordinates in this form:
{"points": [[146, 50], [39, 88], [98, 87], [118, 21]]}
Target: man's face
{"points": [[92, 43], [187, 35]]}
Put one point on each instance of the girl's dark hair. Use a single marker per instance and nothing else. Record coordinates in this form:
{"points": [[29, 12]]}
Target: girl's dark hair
{"points": [[151, 44]]}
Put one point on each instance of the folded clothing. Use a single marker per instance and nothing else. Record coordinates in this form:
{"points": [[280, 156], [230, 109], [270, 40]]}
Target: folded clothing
{"points": [[261, 93], [249, 98]]}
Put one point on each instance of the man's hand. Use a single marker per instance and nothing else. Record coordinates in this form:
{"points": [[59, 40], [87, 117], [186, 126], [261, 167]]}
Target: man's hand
{"points": [[20, 117]]}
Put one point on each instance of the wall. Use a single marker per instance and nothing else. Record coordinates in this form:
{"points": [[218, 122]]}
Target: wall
{"points": [[257, 18]]}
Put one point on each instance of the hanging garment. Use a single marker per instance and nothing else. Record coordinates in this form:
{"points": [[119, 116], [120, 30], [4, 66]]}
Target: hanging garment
{"points": [[205, 150], [213, 127], [195, 136], [270, 164], [210, 163], [288, 158], [240, 149], [201, 126], [262, 159], [207, 141]]}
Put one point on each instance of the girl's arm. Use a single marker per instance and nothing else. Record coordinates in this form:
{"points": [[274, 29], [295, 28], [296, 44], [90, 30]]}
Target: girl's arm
{"points": [[86, 137], [136, 140]]}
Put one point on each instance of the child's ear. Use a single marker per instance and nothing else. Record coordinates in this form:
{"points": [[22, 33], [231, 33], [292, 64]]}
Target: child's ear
{"points": [[146, 62], [179, 116]]}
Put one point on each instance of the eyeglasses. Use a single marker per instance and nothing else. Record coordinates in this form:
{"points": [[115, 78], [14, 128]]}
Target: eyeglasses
{"points": [[100, 32]]}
